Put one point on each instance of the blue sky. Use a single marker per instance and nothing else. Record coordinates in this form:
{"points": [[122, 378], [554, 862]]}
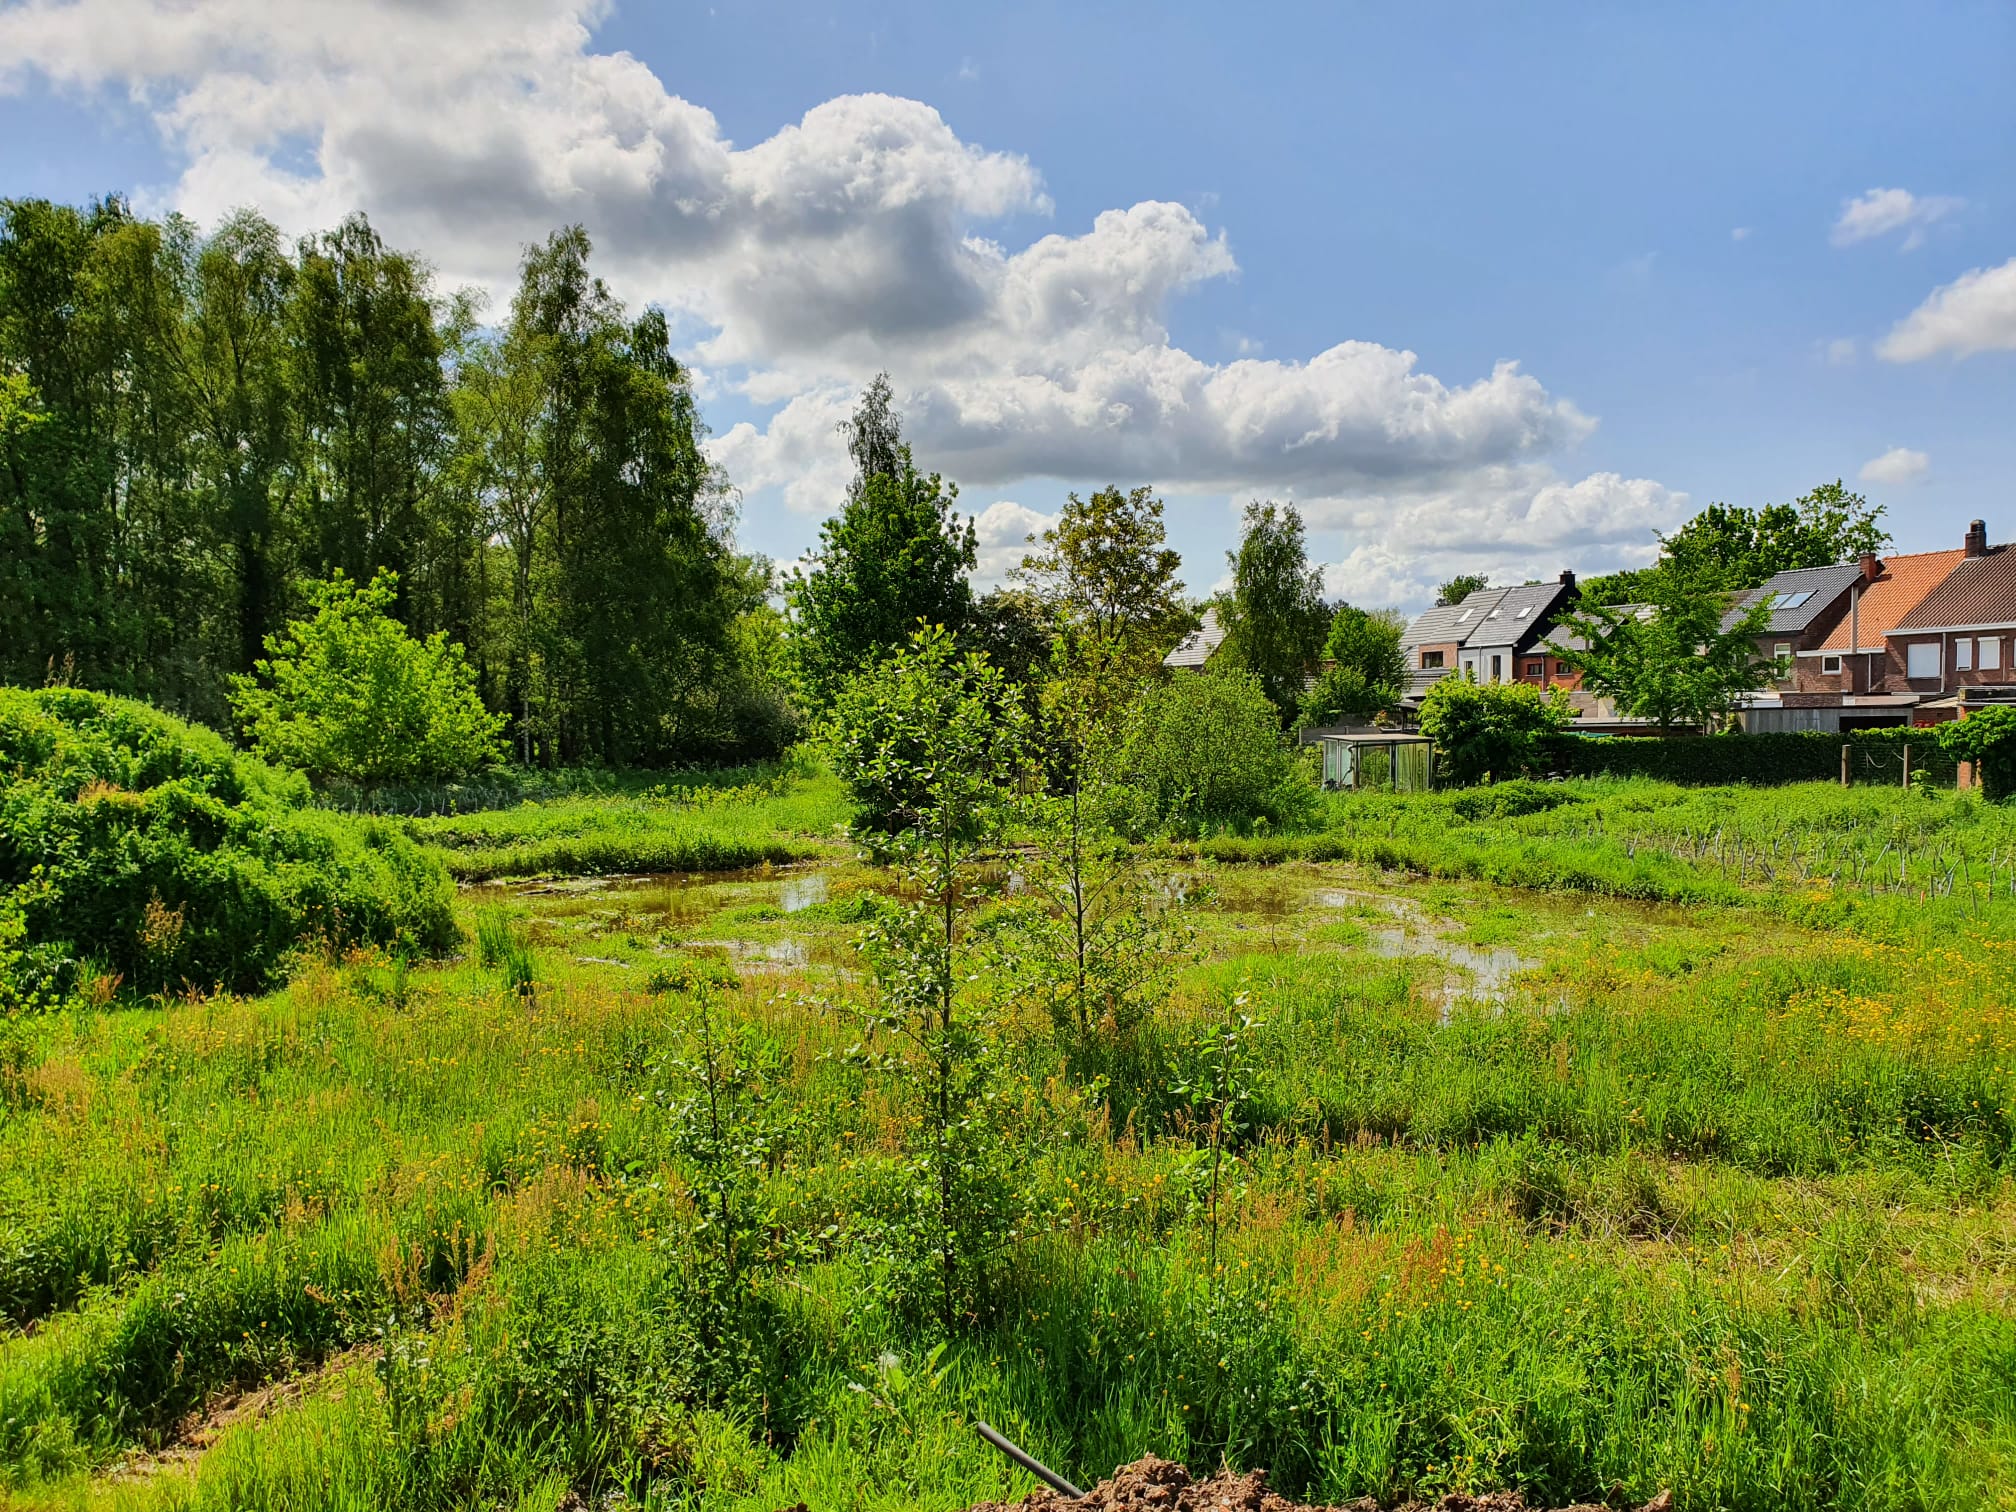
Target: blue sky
{"points": [[1645, 208]]}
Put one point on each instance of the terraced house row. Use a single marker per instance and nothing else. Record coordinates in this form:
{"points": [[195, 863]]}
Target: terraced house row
{"points": [[1909, 638]]}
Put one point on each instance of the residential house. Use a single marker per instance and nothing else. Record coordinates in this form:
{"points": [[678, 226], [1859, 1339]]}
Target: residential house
{"points": [[1805, 605], [1198, 647], [1494, 635], [1852, 658], [1959, 635]]}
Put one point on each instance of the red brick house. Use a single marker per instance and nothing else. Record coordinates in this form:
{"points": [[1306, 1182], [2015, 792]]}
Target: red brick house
{"points": [[1853, 657], [1961, 634]]}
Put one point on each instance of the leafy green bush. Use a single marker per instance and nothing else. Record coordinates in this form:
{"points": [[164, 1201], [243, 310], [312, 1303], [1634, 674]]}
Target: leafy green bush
{"points": [[1204, 750], [1484, 731], [145, 844], [349, 694], [1987, 738]]}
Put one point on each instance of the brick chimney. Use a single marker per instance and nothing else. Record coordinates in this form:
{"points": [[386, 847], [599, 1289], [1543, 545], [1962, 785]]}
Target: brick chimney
{"points": [[1567, 579], [1977, 538], [1872, 566]]}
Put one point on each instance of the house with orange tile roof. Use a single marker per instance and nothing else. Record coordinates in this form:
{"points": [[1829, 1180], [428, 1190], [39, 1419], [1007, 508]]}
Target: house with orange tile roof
{"points": [[1854, 656], [1961, 635]]}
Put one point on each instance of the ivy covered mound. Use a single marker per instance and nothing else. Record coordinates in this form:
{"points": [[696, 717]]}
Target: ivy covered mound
{"points": [[134, 844]]}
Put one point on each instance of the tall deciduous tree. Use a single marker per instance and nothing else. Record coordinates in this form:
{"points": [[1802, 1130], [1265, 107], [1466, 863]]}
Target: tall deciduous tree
{"points": [[1365, 667], [372, 421], [201, 428], [1672, 662], [896, 555], [1107, 565], [1460, 587], [1732, 548], [1274, 617]]}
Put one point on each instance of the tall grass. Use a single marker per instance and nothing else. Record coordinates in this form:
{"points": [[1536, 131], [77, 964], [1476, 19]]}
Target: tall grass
{"points": [[1716, 1202]]}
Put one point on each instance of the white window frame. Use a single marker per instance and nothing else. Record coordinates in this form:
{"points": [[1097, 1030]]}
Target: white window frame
{"points": [[1990, 656], [1963, 654], [1830, 666], [1782, 650], [1915, 655]]}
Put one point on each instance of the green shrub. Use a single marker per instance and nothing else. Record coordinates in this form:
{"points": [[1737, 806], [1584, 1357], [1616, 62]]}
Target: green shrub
{"points": [[350, 695], [1987, 738], [692, 974], [1204, 751], [1486, 731], [143, 843]]}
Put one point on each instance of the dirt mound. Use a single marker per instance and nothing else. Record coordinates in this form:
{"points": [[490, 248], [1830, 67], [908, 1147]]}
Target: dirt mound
{"points": [[1159, 1485]]}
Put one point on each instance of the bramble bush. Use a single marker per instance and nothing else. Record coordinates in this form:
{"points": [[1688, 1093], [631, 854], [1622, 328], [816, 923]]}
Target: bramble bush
{"points": [[147, 847]]}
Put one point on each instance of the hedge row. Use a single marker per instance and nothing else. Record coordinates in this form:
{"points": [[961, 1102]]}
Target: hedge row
{"points": [[1755, 760]]}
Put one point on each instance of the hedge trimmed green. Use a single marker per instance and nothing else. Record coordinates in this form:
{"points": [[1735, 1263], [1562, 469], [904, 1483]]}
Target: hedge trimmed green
{"points": [[1752, 760], [149, 847]]}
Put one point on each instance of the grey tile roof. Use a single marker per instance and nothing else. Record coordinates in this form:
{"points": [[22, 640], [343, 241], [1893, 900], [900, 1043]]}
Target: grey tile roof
{"points": [[1823, 588], [1488, 617], [1447, 624], [1518, 616], [1195, 649]]}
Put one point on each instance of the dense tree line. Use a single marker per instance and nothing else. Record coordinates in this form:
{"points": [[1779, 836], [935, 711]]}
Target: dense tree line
{"points": [[196, 430]]}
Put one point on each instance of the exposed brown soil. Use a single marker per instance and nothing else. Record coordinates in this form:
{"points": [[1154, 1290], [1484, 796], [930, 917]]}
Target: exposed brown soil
{"points": [[1159, 1485]]}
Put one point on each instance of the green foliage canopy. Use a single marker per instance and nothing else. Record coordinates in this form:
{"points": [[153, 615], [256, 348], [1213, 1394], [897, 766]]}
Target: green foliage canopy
{"points": [[196, 428], [1986, 737], [1460, 587], [347, 694], [1107, 565], [1366, 667], [1274, 617], [907, 732], [896, 555], [1204, 749], [1731, 548]]}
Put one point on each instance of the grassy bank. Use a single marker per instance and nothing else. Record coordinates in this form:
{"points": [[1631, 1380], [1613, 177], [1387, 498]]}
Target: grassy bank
{"points": [[1825, 853], [688, 826], [1694, 1197]]}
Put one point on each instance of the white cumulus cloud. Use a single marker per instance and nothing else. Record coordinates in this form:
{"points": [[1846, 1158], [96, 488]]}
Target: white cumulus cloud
{"points": [[1878, 212], [1900, 464], [1003, 530], [867, 235], [1974, 313]]}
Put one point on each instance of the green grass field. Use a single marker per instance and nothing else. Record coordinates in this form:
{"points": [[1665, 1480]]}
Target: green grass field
{"points": [[770, 819], [1605, 1138]]}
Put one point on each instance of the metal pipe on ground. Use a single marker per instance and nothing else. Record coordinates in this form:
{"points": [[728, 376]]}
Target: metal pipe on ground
{"points": [[1035, 1467]]}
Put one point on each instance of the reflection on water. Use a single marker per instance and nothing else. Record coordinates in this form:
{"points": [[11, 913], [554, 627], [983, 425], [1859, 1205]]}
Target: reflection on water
{"points": [[1487, 970], [802, 891]]}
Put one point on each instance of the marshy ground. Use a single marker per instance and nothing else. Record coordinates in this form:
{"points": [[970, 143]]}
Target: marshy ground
{"points": [[1543, 1189]]}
